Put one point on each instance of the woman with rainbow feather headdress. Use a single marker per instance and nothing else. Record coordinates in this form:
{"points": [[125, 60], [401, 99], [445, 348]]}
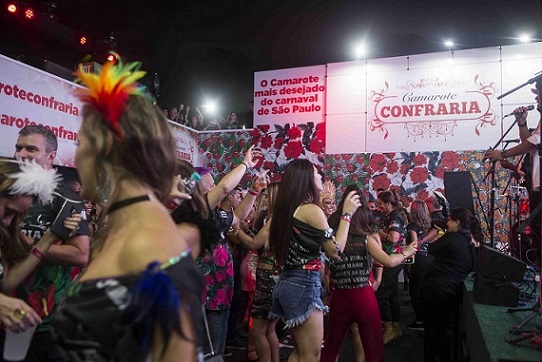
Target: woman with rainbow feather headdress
{"points": [[139, 297]]}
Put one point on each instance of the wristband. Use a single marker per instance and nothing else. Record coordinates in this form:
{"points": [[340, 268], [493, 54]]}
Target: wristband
{"points": [[523, 124], [244, 163], [37, 253], [346, 217], [253, 193]]}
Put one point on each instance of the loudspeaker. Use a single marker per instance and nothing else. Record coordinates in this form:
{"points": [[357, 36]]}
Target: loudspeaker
{"points": [[458, 189], [496, 277]]}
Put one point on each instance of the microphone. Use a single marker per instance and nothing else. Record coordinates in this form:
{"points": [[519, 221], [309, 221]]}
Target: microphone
{"points": [[530, 107], [512, 141]]}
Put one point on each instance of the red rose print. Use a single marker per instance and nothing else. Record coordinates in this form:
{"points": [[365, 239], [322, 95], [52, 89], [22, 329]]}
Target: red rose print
{"points": [[360, 159], [227, 158], [266, 141], [241, 143], [235, 154], [293, 149], [338, 167], [381, 182], [378, 162], [354, 177], [222, 297], [320, 131], [327, 166], [450, 160], [229, 269], [350, 167], [439, 172], [422, 194], [268, 165], [419, 175], [419, 159], [396, 189], [278, 143], [264, 128], [216, 156], [230, 143], [337, 157], [293, 133], [220, 276], [404, 168], [393, 167], [209, 280], [208, 142], [339, 179], [220, 256], [346, 157], [220, 166], [209, 156], [255, 133], [317, 146]]}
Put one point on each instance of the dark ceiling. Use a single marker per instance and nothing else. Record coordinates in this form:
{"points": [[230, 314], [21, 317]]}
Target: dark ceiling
{"points": [[211, 48]]}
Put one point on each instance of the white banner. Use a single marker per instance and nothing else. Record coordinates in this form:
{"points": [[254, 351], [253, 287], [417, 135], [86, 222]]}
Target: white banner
{"points": [[434, 102], [186, 144], [293, 95], [29, 96]]}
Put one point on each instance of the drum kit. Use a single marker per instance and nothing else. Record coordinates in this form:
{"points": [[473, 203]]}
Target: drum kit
{"points": [[523, 238]]}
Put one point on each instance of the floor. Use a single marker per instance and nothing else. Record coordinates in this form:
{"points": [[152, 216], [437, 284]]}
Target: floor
{"points": [[408, 349]]}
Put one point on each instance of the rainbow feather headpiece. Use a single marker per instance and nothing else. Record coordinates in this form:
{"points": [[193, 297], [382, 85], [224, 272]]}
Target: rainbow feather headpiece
{"points": [[109, 90]]}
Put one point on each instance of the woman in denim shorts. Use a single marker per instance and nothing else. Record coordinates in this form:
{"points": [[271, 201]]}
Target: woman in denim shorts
{"points": [[299, 234]]}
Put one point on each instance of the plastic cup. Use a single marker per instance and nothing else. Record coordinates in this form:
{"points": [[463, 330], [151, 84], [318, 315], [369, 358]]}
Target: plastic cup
{"points": [[16, 344]]}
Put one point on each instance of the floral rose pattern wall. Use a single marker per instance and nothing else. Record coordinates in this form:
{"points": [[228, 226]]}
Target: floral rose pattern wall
{"points": [[413, 175]]}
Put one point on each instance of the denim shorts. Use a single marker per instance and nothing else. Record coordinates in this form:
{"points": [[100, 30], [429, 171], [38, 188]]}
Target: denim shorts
{"points": [[296, 295]]}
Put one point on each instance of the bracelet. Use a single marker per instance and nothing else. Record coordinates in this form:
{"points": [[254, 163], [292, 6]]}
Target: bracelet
{"points": [[37, 253], [244, 163], [504, 154], [524, 124], [346, 217], [253, 193]]}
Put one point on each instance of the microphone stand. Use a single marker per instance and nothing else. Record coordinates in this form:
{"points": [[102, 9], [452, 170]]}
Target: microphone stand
{"points": [[494, 187]]}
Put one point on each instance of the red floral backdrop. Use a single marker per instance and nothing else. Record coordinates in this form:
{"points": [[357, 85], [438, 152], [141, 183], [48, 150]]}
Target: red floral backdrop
{"points": [[414, 175]]}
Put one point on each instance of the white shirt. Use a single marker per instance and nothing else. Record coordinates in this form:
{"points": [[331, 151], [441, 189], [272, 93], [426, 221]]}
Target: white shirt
{"points": [[534, 139]]}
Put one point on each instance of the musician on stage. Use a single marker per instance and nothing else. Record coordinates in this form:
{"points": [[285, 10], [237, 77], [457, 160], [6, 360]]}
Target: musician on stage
{"points": [[529, 142]]}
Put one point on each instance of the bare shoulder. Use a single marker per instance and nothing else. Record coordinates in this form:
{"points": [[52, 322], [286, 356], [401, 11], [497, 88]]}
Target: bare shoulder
{"points": [[313, 215]]}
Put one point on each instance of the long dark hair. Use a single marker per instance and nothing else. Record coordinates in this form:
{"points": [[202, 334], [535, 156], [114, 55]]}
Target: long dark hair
{"points": [[297, 187], [362, 221]]}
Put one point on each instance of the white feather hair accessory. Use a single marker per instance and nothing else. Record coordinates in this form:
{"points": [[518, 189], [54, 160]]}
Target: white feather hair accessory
{"points": [[33, 180]]}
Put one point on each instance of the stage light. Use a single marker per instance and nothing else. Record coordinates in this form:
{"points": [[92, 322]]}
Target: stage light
{"points": [[29, 14], [12, 8], [449, 43], [524, 38], [83, 40], [210, 107], [113, 57], [360, 51]]}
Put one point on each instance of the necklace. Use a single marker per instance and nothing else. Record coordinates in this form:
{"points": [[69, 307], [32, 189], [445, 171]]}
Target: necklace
{"points": [[127, 202]]}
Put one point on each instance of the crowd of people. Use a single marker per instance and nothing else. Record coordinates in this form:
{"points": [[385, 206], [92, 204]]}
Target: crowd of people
{"points": [[197, 119], [180, 266]]}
